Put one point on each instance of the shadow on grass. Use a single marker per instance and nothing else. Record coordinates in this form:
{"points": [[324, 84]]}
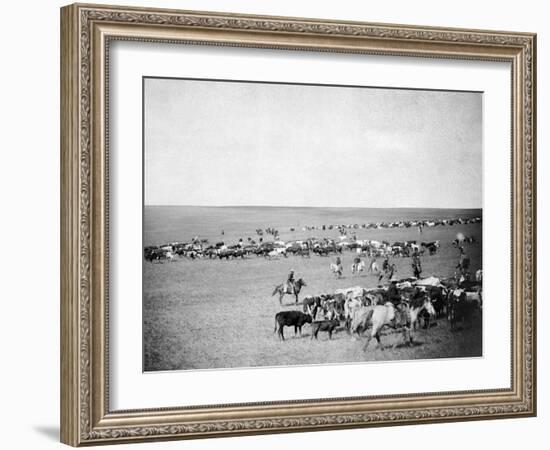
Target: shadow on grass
{"points": [[412, 344]]}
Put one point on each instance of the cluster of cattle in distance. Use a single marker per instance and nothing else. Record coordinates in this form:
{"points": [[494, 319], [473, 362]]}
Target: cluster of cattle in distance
{"points": [[352, 309], [272, 250], [396, 224], [201, 248]]}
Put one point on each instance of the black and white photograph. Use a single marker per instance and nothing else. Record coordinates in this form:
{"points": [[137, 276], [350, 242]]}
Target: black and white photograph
{"points": [[298, 224]]}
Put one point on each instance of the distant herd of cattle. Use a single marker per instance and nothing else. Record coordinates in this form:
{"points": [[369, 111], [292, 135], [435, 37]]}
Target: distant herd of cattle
{"points": [[352, 309], [344, 228], [275, 249], [202, 248], [396, 224]]}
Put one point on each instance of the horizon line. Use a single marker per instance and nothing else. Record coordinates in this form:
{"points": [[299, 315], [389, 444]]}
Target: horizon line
{"points": [[322, 206]]}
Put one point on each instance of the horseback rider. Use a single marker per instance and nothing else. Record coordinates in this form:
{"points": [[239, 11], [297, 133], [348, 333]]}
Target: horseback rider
{"points": [[290, 282], [372, 264], [386, 264], [464, 262], [393, 294], [387, 269], [416, 265], [400, 307], [391, 271]]}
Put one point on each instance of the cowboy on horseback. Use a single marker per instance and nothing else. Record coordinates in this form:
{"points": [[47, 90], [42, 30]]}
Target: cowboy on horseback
{"points": [[416, 264], [464, 262], [339, 264], [290, 282], [290, 286], [392, 294]]}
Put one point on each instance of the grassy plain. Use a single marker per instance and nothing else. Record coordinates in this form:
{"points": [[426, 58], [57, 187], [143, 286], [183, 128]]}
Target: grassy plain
{"points": [[206, 314]]}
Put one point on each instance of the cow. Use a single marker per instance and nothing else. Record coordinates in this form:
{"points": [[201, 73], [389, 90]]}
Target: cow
{"points": [[357, 266], [226, 253], [157, 255], [324, 325], [438, 297], [152, 255], [338, 304], [352, 293], [295, 319], [459, 309], [311, 305], [431, 246], [321, 251]]}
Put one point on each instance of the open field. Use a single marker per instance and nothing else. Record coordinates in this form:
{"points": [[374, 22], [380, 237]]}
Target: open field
{"points": [[204, 314]]}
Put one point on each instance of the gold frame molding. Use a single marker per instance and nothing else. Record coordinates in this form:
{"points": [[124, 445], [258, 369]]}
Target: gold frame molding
{"points": [[86, 31]]}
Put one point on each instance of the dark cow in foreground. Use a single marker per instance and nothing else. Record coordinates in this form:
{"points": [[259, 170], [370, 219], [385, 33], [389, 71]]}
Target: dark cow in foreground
{"points": [[324, 325], [459, 309], [295, 319]]}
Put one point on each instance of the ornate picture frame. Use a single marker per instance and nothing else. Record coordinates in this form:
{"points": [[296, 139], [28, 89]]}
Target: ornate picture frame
{"points": [[86, 34]]}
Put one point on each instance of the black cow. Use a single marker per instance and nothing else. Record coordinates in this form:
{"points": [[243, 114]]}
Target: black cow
{"points": [[154, 255], [295, 319], [430, 246], [324, 325], [459, 309], [321, 251]]}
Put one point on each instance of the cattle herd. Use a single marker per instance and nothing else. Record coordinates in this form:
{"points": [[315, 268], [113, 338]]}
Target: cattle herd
{"points": [[421, 223], [202, 248], [401, 305]]}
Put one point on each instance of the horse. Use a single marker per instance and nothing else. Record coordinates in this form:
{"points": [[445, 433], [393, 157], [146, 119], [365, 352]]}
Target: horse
{"points": [[403, 318], [358, 267], [359, 319], [373, 267], [283, 289], [336, 269]]}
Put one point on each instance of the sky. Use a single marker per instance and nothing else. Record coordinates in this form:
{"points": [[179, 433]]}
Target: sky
{"points": [[222, 143]]}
